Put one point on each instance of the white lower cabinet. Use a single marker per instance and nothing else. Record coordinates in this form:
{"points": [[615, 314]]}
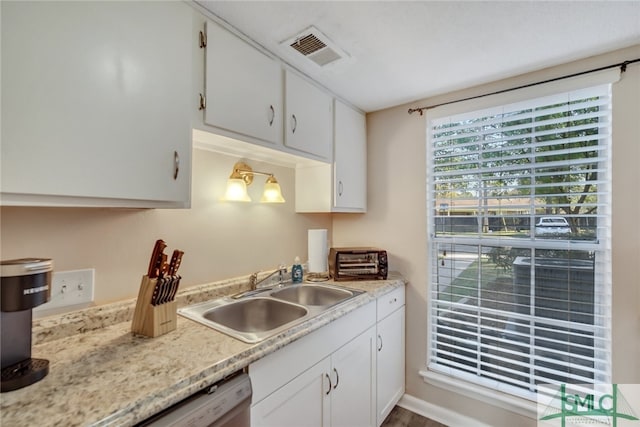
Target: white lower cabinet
{"points": [[337, 391], [390, 352], [301, 402], [353, 379], [326, 378], [348, 373], [390, 363]]}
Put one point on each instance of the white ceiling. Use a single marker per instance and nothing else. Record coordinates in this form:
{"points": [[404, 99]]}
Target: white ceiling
{"points": [[402, 51]]}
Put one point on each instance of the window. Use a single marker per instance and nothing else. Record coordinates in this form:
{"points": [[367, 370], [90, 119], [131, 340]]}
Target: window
{"points": [[519, 242]]}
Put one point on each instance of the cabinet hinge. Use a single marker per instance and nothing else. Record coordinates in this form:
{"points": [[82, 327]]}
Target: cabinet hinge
{"points": [[203, 40], [203, 102]]}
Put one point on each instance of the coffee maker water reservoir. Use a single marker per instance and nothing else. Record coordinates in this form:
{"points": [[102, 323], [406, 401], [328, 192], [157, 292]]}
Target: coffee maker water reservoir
{"points": [[24, 284]]}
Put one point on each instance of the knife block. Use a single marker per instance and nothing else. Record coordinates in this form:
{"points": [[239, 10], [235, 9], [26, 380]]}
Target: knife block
{"points": [[152, 320]]}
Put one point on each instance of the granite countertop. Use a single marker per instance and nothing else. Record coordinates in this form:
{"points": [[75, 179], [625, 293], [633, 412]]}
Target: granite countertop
{"points": [[100, 374]]}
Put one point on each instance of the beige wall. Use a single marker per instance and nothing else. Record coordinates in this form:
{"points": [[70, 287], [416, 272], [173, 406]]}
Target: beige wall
{"points": [[396, 221], [220, 240]]}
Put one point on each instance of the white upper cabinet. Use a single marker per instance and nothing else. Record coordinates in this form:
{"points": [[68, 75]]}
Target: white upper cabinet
{"points": [[350, 159], [308, 118], [96, 103], [250, 98], [243, 87], [342, 185]]}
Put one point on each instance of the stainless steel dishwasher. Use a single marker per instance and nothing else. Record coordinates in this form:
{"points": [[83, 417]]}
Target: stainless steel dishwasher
{"points": [[224, 404]]}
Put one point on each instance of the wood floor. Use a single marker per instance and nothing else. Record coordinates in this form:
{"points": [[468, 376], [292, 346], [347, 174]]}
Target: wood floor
{"points": [[400, 417]]}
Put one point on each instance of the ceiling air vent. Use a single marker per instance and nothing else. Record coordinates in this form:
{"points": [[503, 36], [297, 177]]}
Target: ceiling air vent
{"points": [[315, 46]]}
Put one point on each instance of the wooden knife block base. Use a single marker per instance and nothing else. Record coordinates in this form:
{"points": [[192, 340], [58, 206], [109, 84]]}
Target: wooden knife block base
{"points": [[152, 320]]}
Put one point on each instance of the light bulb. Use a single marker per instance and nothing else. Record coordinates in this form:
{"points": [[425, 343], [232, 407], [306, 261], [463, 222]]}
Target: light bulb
{"points": [[236, 191], [272, 192]]}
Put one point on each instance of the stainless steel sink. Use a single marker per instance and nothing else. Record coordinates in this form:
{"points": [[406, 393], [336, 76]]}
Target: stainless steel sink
{"points": [[255, 315], [258, 316], [314, 295], [250, 320]]}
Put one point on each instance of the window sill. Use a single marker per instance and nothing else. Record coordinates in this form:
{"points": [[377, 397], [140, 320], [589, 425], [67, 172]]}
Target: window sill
{"points": [[511, 403]]}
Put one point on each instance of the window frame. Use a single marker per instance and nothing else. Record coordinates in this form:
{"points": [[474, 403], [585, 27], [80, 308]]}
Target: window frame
{"points": [[506, 395]]}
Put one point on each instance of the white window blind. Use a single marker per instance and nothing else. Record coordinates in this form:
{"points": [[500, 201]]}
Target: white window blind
{"points": [[519, 216]]}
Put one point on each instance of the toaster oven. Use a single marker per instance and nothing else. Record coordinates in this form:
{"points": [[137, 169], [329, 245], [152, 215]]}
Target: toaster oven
{"points": [[358, 264]]}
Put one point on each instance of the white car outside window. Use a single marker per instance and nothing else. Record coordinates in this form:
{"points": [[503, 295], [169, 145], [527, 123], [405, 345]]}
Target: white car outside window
{"points": [[552, 225]]}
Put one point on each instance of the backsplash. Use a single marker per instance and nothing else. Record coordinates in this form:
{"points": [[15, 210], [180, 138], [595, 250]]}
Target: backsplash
{"points": [[220, 239]]}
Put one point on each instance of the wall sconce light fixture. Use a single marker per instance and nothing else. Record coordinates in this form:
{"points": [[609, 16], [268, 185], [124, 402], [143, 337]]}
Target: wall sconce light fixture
{"points": [[242, 176]]}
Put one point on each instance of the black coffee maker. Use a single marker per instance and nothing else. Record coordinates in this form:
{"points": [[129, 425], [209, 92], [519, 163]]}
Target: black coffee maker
{"points": [[24, 284]]}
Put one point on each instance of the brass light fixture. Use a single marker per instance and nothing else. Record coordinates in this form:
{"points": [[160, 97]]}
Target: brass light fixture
{"points": [[242, 176]]}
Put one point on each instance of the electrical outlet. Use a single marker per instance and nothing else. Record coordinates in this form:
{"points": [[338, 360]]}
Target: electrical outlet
{"points": [[69, 288]]}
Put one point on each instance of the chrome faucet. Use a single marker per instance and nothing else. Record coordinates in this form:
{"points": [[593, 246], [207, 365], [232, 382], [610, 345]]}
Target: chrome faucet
{"points": [[254, 282]]}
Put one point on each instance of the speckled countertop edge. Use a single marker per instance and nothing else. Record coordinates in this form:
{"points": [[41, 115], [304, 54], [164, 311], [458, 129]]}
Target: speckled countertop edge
{"points": [[122, 379]]}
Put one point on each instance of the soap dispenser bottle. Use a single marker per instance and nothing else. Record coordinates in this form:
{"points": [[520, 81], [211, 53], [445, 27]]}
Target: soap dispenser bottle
{"points": [[296, 271]]}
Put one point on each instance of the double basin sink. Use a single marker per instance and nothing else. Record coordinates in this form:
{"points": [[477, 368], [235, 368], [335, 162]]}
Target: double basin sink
{"points": [[264, 313]]}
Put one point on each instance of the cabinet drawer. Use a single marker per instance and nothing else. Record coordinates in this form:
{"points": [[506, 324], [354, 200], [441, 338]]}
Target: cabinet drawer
{"points": [[390, 302]]}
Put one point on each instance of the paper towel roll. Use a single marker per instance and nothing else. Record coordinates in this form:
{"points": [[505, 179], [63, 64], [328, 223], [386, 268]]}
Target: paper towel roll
{"points": [[318, 251]]}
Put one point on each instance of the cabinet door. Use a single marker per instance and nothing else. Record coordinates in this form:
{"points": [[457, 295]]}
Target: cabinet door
{"points": [[390, 362], [308, 117], [350, 159], [303, 402], [353, 375], [95, 103], [243, 87]]}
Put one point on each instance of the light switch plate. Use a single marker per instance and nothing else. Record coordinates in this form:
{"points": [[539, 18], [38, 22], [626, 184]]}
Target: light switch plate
{"points": [[69, 289]]}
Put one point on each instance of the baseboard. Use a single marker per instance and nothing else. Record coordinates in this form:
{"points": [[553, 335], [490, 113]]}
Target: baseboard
{"points": [[437, 413]]}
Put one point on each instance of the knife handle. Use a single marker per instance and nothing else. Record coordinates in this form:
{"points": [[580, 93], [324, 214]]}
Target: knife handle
{"points": [[174, 287], [156, 259], [164, 289], [168, 288], [156, 292], [164, 267], [176, 260]]}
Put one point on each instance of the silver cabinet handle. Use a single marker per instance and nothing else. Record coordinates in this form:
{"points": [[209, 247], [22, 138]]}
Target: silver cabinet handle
{"points": [[294, 123], [273, 115], [337, 379], [380, 338], [203, 102], [328, 379], [340, 188], [176, 164]]}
